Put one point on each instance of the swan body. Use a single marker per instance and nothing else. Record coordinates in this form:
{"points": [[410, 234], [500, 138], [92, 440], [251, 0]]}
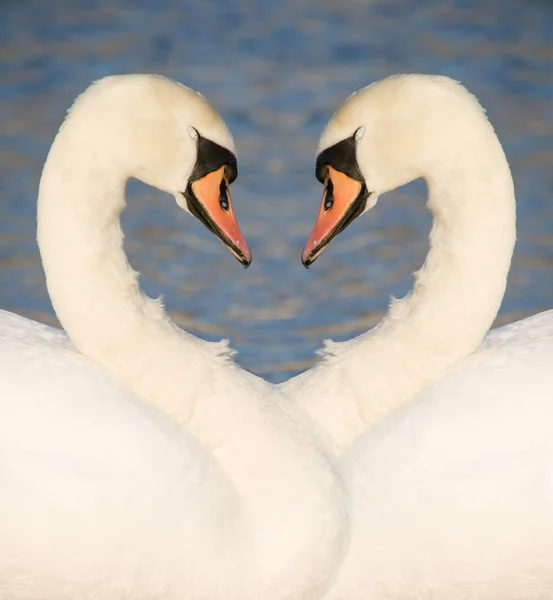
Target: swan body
{"points": [[137, 461], [445, 435], [453, 492]]}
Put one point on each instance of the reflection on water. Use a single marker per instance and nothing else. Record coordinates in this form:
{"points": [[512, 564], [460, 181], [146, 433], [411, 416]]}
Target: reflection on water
{"points": [[276, 72]]}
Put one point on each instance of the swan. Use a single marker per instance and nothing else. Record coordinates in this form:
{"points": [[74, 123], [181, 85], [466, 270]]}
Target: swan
{"points": [[385, 136], [451, 492], [137, 461]]}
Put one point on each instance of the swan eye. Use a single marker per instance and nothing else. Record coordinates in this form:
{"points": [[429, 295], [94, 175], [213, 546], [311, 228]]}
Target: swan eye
{"points": [[223, 196], [329, 195]]}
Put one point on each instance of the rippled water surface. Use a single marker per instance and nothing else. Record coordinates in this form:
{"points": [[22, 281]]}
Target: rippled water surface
{"points": [[276, 71]]}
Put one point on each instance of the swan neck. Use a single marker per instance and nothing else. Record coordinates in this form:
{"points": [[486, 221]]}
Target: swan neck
{"points": [[458, 291], [94, 291], [454, 301]]}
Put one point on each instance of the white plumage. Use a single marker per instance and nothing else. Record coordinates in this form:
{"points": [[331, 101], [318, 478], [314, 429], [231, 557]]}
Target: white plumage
{"points": [[141, 462], [445, 433]]}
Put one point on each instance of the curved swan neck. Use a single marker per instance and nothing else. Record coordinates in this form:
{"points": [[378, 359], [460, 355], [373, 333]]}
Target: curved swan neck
{"points": [[455, 298], [458, 291], [93, 289]]}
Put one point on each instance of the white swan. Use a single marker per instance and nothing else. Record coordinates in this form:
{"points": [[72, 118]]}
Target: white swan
{"points": [[102, 495], [383, 137], [452, 493]]}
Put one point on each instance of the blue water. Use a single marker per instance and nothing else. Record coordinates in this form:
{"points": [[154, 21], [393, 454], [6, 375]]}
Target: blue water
{"points": [[276, 72]]}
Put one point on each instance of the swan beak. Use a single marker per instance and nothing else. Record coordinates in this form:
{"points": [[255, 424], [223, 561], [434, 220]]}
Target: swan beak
{"points": [[210, 203], [344, 199]]}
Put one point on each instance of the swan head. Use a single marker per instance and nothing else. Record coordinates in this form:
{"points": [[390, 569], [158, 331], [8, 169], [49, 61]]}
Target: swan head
{"points": [[384, 136], [168, 136]]}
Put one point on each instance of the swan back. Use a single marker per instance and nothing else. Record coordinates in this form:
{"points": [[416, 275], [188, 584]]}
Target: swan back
{"points": [[454, 490]]}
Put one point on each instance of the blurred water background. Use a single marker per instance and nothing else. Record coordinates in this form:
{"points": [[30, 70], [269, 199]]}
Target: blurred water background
{"points": [[276, 71]]}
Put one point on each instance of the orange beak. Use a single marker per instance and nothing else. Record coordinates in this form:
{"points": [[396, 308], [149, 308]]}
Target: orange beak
{"points": [[344, 199], [210, 202]]}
